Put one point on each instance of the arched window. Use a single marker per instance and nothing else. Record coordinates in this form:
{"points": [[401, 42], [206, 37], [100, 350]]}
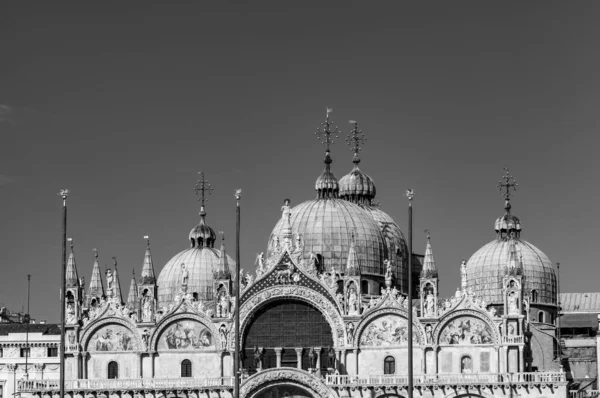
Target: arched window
{"points": [[389, 366], [541, 317], [364, 287], [113, 370], [186, 368], [466, 364], [534, 296]]}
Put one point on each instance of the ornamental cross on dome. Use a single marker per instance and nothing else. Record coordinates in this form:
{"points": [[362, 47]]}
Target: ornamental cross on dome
{"points": [[356, 138], [506, 183], [326, 129], [203, 188]]}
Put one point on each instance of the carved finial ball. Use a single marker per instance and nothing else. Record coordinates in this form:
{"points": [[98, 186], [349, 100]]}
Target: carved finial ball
{"points": [[238, 194]]}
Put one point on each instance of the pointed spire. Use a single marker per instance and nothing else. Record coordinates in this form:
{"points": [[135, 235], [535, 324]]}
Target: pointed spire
{"points": [[352, 264], [96, 288], [429, 270], [222, 271], [71, 278], [326, 184], [132, 298], [117, 289], [147, 277]]}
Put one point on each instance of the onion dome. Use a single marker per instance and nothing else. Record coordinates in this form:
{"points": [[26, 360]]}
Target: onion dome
{"points": [[326, 184], [356, 186], [202, 235], [509, 254], [201, 260]]}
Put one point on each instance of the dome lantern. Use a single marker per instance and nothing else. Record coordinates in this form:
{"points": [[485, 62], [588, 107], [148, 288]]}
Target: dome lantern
{"points": [[202, 235], [508, 225]]}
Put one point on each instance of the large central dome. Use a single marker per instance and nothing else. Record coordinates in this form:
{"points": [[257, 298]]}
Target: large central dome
{"points": [[326, 226]]}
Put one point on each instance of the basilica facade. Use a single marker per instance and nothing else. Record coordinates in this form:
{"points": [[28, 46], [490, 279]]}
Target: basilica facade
{"points": [[325, 313]]}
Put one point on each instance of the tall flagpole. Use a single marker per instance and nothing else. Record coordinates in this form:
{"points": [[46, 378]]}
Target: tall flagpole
{"points": [[236, 360], [63, 193], [410, 194], [28, 320]]}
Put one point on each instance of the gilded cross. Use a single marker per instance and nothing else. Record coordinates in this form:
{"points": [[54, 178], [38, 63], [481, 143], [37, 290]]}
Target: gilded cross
{"points": [[326, 129], [356, 138], [203, 188], [506, 183]]}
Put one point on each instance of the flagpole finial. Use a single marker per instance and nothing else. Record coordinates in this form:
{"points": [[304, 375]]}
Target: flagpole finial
{"points": [[64, 193], [410, 193], [238, 196]]}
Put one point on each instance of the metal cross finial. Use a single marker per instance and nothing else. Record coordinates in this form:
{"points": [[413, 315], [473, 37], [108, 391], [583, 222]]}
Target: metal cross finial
{"points": [[428, 234], [96, 253], [70, 240], [203, 188], [505, 183], [115, 261], [147, 240], [326, 128], [356, 138]]}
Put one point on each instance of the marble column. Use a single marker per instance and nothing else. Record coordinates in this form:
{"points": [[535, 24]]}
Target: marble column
{"points": [[521, 364], [140, 367], [152, 360], [84, 364], [299, 358], [356, 361], [318, 351], [278, 354]]}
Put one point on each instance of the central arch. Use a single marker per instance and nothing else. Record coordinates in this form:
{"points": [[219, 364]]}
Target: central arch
{"points": [[291, 327], [266, 383]]}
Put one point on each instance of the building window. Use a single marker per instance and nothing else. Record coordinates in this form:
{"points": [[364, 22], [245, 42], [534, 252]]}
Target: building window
{"points": [[1, 355], [186, 368], [534, 296], [25, 352], [52, 351], [113, 370], [389, 366], [541, 317]]}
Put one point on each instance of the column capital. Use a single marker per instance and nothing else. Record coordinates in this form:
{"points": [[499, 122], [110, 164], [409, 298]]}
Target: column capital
{"points": [[299, 350], [278, 350]]}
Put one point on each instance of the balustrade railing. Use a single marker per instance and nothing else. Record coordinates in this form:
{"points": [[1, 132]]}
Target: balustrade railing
{"points": [[513, 339], [584, 393], [124, 384], [450, 379]]}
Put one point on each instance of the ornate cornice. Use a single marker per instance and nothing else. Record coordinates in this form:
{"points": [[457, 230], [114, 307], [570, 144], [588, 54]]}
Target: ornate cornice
{"points": [[314, 298]]}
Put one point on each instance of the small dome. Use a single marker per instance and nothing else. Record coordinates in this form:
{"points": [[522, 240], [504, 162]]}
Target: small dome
{"points": [[326, 227], [487, 266], [202, 235], [326, 184], [508, 223], [356, 186], [200, 262]]}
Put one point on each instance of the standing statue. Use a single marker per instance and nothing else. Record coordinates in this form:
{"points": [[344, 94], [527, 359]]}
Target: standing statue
{"points": [[298, 241], [388, 269], [184, 278], [331, 358], [147, 309], [257, 357], [313, 357], [109, 282], [223, 305], [429, 333], [350, 332], [71, 319], [260, 260], [276, 244], [352, 302], [223, 335], [463, 274], [314, 261], [429, 304], [146, 339], [513, 303], [286, 212]]}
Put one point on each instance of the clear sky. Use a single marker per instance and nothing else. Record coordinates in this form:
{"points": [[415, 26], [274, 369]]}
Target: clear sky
{"points": [[124, 102]]}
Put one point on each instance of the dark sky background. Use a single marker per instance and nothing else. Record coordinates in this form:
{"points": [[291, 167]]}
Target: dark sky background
{"points": [[124, 102]]}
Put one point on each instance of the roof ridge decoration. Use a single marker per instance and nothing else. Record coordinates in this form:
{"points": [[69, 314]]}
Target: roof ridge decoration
{"points": [[326, 184], [390, 298], [464, 299]]}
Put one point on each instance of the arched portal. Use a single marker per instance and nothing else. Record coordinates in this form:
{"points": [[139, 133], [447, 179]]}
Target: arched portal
{"points": [[285, 331], [284, 390]]}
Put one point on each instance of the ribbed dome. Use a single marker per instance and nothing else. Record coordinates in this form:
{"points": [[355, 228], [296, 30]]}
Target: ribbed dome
{"points": [[202, 235], [326, 227], [486, 268], [357, 187], [200, 264], [326, 184], [395, 240]]}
